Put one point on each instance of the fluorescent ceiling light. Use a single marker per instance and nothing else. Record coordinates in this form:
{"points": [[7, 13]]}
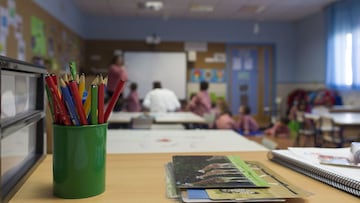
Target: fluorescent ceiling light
{"points": [[252, 9], [151, 5], [201, 8]]}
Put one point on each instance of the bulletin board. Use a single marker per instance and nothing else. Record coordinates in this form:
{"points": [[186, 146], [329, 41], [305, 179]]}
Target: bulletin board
{"points": [[31, 31]]}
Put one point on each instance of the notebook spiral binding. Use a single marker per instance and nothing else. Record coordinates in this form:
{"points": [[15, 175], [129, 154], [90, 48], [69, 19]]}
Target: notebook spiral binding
{"points": [[330, 178]]}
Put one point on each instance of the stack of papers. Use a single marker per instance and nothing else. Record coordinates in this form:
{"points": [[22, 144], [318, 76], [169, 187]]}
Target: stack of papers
{"points": [[225, 179]]}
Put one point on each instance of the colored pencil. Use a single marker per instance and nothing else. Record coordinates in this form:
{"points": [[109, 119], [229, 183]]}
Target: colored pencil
{"points": [[88, 98], [73, 70], [101, 95], [69, 102], [56, 111], [79, 107], [66, 78], [114, 98], [94, 105], [82, 86], [50, 102], [105, 81], [57, 101], [77, 79]]}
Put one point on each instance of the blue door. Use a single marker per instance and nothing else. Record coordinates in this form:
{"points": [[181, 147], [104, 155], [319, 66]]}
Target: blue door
{"points": [[250, 79]]}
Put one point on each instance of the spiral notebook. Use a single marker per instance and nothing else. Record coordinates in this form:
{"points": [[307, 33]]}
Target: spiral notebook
{"points": [[307, 162]]}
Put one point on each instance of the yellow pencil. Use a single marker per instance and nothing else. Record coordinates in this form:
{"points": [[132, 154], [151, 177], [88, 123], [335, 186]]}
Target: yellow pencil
{"points": [[105, 81], [66, 78], [87, 103], [77, 79], [82, 85]]}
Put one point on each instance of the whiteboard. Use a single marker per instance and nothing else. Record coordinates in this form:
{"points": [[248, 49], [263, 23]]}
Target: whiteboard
{"points": [[167, 67]]}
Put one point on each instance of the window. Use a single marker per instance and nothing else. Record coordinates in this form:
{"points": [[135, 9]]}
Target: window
{"points": [[348, 73], [343, 45]]}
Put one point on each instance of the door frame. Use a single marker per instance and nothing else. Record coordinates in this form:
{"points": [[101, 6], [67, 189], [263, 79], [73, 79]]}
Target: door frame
{"points": [[272, 69]]}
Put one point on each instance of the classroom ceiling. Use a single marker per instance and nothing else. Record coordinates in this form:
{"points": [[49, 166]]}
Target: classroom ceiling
{"points": [[261, 10]]}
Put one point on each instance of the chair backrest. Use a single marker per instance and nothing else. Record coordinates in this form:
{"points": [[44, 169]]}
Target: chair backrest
{"points": [[142, 122], [326, 122]]}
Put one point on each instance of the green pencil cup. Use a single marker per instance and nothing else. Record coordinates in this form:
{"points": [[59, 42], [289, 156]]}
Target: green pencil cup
{"points": [[79, 160]]}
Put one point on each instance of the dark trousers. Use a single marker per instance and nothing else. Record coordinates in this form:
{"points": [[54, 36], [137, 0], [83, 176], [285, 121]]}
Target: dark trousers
{"points": [[119, 102]]}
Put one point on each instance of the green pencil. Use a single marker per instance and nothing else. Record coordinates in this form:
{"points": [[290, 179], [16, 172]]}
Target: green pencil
{"points": [[94, 105], [73, 69]]}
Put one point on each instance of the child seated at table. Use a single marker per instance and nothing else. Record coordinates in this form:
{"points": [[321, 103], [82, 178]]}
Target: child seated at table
{"points": [[247, 125], [298, 110], [224, 118], [132, 102], [280, 129]]}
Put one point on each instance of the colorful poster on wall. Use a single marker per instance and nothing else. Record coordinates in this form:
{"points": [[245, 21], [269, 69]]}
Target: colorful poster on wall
{"points": [[11, 12], [209, 75], [3, 45], [21, 50], [38, 39], [218, 76], [4, 24], [18, 27]]}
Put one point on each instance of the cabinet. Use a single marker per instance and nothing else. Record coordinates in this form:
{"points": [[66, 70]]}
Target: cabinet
{"points": [[22, 122]]}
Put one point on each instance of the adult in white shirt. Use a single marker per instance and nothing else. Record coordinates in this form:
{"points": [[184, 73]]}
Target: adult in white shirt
{"points": [[161, 100]]}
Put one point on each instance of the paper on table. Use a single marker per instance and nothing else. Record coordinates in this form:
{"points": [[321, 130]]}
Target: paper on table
{"points": [[310, 156]]}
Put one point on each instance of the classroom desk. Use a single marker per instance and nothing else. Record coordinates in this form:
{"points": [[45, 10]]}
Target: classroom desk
{"points": [[137, 178], [342, 119], [159, 118], [168, 141], [345, 109]]}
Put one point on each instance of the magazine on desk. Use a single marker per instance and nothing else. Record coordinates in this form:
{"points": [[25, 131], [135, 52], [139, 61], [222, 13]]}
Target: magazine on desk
{"points": [[322, 164]]}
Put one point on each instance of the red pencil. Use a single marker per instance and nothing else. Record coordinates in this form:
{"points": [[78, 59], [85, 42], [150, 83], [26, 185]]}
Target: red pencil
{"points": [[101, 95], [79, 107], [114, 98], [64, 117]]}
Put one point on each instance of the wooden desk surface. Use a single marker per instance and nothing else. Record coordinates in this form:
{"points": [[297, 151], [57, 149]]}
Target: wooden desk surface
{"points": [[140, 178], [159, 118]]}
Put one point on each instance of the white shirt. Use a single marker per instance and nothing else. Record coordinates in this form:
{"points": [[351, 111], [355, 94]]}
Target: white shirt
{"points": [[161, 100]]}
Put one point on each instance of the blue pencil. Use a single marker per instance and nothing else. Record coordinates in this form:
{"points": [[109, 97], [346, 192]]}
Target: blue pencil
{"points": [[69, 102]]}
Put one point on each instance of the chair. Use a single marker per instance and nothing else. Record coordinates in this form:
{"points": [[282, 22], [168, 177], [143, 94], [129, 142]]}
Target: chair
{"points": [[333, 134], [141, 122], [307, 130]]}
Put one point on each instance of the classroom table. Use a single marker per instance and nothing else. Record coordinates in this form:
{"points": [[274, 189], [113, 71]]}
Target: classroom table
{"points": [[341, 119], [346, 121], [159, 118], [141, 178], [345, 109], [167, 127], [166, 141]]}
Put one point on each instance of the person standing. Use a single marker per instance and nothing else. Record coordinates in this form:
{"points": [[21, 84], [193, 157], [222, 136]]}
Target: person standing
{"points": [[200, 104], [117, 72]]}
